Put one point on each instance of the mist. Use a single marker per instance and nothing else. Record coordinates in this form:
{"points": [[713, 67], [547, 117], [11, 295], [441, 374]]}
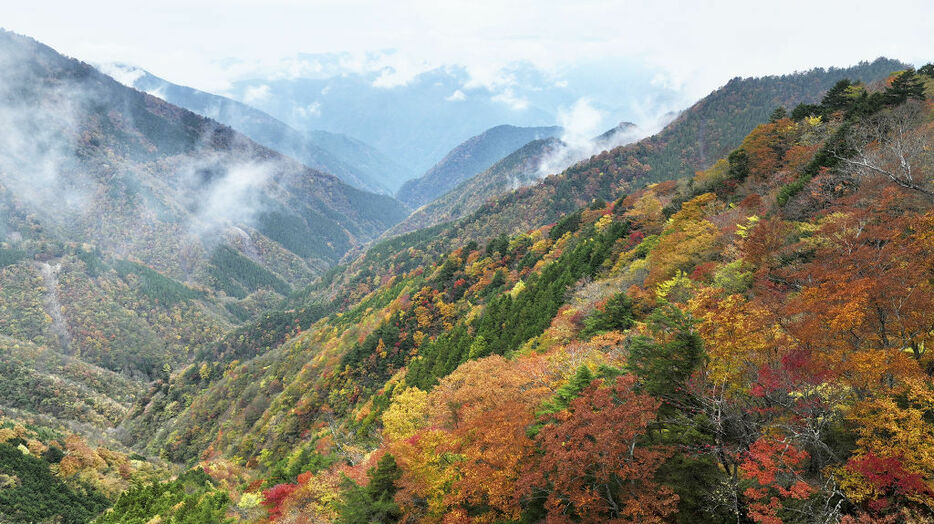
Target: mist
{"points": [[75, 164], [588, 131], [38, 164]]}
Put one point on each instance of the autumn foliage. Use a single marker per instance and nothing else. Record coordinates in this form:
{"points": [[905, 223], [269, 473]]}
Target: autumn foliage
{"points": [[592, 466], [749, 345]]}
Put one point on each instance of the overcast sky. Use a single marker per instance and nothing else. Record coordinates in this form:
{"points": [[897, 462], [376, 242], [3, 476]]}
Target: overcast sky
{"points": [[699, 45]]}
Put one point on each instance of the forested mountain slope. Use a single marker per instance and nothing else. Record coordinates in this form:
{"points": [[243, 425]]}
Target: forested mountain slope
{"points": [[152, 172], [473, 156], [132, 233], [354, 162], [748, 343], [702, 134]]}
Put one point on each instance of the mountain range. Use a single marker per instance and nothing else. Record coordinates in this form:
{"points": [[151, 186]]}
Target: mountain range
{"points": [[523, 167], [438, 360], [417, 119], [484, 206], [473, 156]]}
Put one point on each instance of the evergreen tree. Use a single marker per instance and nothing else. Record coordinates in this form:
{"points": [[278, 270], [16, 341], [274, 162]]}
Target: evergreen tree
{"points": [[906, 85], [616, 315], [374, 502], [836, 98], [802, 111], [664, 363], [778, 114], [383, 478], [739, 165]]}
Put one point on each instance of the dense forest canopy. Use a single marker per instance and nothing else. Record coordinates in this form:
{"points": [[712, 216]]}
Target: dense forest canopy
{"points": [[729, 321], [747, 343]]}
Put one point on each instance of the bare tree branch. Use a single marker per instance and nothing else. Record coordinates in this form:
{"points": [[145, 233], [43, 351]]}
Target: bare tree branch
{"points": [[895, 144]]}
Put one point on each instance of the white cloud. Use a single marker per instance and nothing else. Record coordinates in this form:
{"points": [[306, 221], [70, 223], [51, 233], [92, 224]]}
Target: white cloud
{"points": [[391, 78], [581, 122], [233, 199], [701, 45], [123, 73], [158, 92], [456, 96], [312, 110], [508, 97], [256, 93], [583, 126]]}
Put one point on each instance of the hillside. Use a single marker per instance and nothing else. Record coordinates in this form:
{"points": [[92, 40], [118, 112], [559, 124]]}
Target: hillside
{"points": [[137, 175], [706, 131], [721, 115], [726, 322], [350, 160], [473, 156], [750, 334], [133, 233]]}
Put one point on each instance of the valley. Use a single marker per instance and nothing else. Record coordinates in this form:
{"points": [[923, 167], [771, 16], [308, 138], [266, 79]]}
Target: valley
{"points": [[212, 314]]}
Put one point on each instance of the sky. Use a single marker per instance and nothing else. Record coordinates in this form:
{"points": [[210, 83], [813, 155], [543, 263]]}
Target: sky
{"points": [[697, 46]]}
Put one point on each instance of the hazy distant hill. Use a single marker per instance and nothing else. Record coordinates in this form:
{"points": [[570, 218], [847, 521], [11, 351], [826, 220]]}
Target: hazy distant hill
{"points": [[522, 167], [468, 159], [417, 121], [460, 353], [519, 168], [351, 160]]}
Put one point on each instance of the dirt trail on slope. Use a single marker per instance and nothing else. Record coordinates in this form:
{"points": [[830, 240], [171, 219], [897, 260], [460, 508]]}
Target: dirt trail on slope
{"points": [[53, 306], [249, 248]]}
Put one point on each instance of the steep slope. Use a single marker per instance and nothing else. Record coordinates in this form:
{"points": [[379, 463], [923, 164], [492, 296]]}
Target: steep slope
{"points": [[712, 126], [42, 381], [468, 159], [351, 160], [360, 156], [723, 336], [618, 136], [702, 133]]}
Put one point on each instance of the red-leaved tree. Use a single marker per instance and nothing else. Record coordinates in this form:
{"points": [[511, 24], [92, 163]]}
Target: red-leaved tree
{"points": [[592, 467]]}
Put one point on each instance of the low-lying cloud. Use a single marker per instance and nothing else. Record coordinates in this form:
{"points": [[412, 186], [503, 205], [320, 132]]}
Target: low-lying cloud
{"points": [[224, 193], [74, 160], [583, 124]]}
